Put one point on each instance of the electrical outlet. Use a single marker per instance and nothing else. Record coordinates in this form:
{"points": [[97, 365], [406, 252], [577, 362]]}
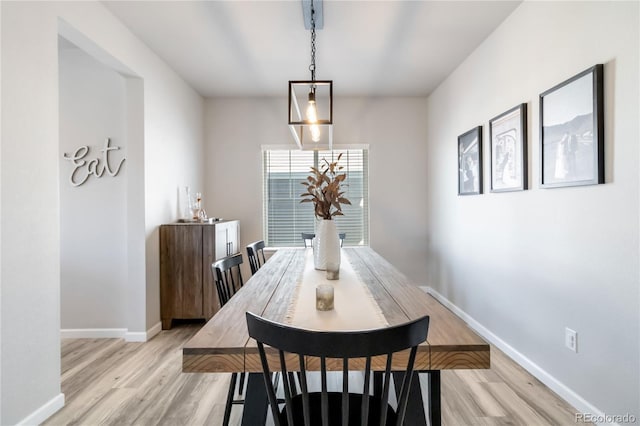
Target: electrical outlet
{"points": [[571, 339]]}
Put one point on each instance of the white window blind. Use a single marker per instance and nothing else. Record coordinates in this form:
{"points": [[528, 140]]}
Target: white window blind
{"points": [[285, 218]]}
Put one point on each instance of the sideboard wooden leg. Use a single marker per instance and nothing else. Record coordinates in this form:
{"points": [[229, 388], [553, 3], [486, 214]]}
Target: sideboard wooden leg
{"points": [[166, 324]]}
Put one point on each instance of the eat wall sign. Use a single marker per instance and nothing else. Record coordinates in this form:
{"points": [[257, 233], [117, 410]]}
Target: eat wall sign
{"points": [[84, 168]]}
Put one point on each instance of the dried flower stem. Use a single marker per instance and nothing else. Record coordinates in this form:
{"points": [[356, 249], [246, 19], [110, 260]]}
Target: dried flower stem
{"points": [[323, 189]]}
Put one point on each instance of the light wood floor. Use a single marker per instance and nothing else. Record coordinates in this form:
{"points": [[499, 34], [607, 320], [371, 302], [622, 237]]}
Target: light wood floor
{"points": [[110, 382]]}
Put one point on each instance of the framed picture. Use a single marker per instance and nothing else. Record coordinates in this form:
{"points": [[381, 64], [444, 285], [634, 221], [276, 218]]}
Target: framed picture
{"points": [[572, 131], [470, 162], [508, 134]]}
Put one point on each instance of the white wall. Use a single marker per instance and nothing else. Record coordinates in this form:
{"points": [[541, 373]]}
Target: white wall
{"points": [[30, 220], [525, 265], [30, 215], [1, 116], [93, 220], [395, 131]]}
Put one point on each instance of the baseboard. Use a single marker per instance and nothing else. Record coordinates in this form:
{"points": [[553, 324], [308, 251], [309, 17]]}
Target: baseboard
{"points": [[110, 333], [143, 336], [93, 333], [153, 331], [44, 412], [135, 336], [579, 403]]}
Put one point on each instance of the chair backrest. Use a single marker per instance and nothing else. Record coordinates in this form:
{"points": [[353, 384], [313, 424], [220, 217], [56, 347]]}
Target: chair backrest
{"points": [[342, 236], [307, 237], [344, 345], [254, 252], [227, 280]]}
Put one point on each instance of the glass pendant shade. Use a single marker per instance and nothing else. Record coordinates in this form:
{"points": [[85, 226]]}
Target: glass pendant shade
{"points": [[311, 113]]}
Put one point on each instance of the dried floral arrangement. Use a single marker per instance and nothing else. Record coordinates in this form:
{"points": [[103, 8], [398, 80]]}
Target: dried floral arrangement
{"points": [[323, 189]]}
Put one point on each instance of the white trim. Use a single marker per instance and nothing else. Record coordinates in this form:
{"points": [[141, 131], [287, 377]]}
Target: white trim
{"points": [[579, 403], [135, 336], [44, 412], [153, 331], [111, 333], [143, 336], [93, 333]]}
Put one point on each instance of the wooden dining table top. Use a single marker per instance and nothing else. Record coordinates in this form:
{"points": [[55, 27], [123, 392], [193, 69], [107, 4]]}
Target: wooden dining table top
{"points": [[223, 343]]}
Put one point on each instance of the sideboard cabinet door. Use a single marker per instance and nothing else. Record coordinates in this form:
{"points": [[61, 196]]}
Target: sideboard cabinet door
{"points": [[227, 239], [233, 237], [180, 273]]}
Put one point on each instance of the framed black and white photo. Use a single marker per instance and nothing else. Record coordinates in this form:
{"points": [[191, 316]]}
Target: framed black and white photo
{"points": [[470, 162], [572, 131], [508, 135]]}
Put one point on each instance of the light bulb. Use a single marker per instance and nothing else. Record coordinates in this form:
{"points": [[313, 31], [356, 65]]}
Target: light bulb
{"points": [[315, 133], [312, 112], [312, 117]]}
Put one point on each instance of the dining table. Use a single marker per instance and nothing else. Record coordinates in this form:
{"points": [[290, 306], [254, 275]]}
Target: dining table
{"points": [[276, 292]]}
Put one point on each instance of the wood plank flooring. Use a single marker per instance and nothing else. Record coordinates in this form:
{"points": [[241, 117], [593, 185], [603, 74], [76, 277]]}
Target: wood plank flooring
{"points": [[111, 382]]}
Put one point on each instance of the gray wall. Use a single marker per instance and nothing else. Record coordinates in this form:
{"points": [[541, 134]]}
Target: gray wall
{"points": [[526, 265], [93, 220], [396, 134], [169, 156]]}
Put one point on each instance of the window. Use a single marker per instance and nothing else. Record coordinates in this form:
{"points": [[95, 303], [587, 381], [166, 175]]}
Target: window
{"points": [[285, 218]]}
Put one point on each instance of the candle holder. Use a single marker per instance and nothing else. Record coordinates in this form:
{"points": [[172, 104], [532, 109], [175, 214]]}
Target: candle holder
{"points": [[333, 270], [324, 297]]}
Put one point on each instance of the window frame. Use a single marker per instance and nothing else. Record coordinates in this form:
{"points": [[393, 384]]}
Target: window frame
{"points": [[365, 241]]}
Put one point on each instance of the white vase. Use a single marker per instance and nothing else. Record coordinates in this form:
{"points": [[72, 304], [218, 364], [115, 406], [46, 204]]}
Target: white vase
{"points": [[326, 246]]}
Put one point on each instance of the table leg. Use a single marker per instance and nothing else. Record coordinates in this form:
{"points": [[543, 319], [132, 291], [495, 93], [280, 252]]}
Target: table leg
{"points": [[435, 414], [255, 401], [415, 408]]}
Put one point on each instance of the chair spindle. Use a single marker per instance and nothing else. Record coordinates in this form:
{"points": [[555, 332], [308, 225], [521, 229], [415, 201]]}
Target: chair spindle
{"points": [[345, 391], [306, 408]]}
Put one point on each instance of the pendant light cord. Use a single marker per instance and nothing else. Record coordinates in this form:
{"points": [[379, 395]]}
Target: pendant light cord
{"points": [[312, 67]]}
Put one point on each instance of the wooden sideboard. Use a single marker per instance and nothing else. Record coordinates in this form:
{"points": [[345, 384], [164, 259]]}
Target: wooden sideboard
{"points": [[187, 250]]}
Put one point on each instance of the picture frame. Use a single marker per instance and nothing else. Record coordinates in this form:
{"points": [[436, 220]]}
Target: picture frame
{"points": [[572, 131], [508, 150], [470, 162]]}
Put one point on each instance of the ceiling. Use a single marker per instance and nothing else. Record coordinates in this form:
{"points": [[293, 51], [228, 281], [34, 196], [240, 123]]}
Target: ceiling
{"points": [[253, 48]]}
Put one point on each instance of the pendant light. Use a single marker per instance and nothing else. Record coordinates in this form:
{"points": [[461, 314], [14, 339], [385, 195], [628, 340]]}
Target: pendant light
{"points": [[311, 103]]}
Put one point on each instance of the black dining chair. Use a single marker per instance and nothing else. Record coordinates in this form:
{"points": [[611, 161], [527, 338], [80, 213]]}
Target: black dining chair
{"points": [[338, 350], [227, 276], [342, 236], [254, 252], [228, 279], [307, 237]]}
